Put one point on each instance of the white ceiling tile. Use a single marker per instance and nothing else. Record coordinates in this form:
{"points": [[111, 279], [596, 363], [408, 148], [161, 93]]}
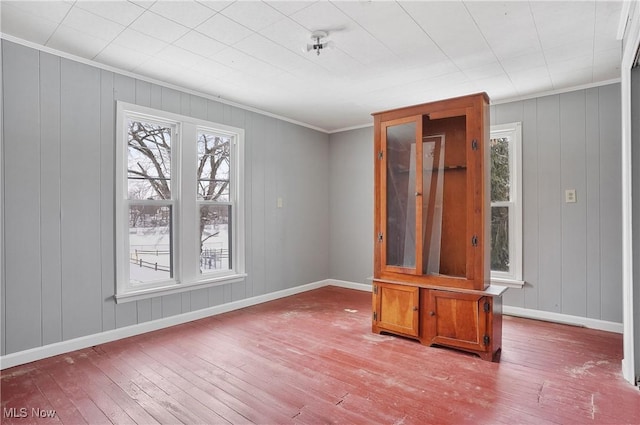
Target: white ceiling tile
{"points": [[146, 4], [607, 18], [137, 41], [213, 70], [552, 21], [223, 29], [493, 69], [610, 56], [564, 52], [569, 64], [523, 62], [181, 57], [244, 63], [392, 26], [287, 33], [77, 43], [601, 44], [344, 32], [252, 14], [200, 44], [89, 23], [452, 28], [571, 77], [323, 16], [159, 69], [189, 14], [188, 78], [337, 62], [121, 57], [496, 87], [605, 72], [527, 80], [50, 10], [122, 12], [386, 53], [156, 26], [21, 24], [361, 46], [266, 50], [216, 5], [289, 7]]}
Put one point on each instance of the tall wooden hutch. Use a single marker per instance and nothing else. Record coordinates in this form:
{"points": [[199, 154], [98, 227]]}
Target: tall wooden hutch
{"points": [[431, 254]]}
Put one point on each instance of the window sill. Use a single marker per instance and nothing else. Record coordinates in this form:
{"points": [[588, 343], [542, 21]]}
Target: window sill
{"points": [[135, 295], [509, 283]]}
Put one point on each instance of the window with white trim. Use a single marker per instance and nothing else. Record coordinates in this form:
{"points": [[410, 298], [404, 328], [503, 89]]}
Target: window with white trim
{"points": [[179, 210], [506, 204]]}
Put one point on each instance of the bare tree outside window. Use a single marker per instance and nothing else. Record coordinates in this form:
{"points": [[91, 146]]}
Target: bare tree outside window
{"points": [[150, 206], [213, 174], [179, 205]]}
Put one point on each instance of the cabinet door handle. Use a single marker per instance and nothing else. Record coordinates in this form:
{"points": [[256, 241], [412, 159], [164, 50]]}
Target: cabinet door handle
{"points": [[432, 313], [418, 193], [415, 308]]}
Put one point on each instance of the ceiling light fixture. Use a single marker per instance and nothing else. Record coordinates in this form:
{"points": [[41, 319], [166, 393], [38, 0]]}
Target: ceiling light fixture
{"points": [[318, 44]]}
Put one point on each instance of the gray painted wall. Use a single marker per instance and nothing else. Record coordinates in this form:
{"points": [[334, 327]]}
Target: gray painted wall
{"points": [[572, 252], [351, 220], [58, 206]]}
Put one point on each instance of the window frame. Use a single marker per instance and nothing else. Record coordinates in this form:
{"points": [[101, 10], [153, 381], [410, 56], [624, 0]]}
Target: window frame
{"points": [[186, 219], [514, 276]]}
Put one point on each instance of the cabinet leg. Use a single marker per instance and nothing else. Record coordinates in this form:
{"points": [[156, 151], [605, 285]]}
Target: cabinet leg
{"points": [[492, 356]]}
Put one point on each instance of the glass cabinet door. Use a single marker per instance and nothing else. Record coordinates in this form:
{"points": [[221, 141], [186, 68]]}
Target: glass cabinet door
{"points": [[424, 197], [402, 215]]}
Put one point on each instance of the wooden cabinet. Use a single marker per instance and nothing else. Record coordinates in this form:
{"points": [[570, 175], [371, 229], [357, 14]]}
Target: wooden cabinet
{"points": [[396, 308], [466, 321], [431, 255]]}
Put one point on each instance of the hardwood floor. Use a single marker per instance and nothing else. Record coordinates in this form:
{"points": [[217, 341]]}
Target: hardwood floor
{"points": [[312, 359]]}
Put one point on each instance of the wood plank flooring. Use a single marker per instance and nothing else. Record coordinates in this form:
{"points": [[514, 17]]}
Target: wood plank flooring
{"points": [[312, 359]]}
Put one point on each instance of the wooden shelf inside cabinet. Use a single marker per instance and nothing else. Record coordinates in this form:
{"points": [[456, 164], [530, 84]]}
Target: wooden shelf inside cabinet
{"points": [[431, 221]]}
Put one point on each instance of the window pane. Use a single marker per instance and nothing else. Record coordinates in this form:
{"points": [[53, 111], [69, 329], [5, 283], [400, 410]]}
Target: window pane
{"points": [[401, 199], [215, 238], [433, 176], [500, 178], [213, 166], [150, 242], [149, 160], [500, 239]]}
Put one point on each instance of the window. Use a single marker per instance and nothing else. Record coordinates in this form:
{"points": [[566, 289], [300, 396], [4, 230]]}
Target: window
{"points": [[506, 204], [179, 211]]}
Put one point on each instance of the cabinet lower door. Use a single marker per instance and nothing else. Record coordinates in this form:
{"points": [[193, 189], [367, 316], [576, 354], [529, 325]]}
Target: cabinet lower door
{"points": [[396, 309], [457, 320]]}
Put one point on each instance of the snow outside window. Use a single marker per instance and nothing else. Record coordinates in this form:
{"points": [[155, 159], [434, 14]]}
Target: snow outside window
{"points": [[179, 213]]}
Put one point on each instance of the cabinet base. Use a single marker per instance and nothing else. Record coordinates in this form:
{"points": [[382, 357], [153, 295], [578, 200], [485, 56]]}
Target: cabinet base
{"points": [[489, 356]]}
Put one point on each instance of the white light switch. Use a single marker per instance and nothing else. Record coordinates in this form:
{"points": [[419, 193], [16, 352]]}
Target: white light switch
{"points": [[279, 202], [570, 196]]}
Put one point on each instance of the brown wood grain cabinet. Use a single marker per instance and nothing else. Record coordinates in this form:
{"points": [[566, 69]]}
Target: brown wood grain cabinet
{"points": [[431, 254]]}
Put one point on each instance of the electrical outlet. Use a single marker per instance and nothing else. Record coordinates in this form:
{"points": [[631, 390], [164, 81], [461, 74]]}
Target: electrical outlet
{"points": [[570, 196], [279, 202]]}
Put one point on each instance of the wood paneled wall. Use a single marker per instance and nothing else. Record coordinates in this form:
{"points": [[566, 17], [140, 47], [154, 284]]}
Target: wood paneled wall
{"points": [[572, 252], [58, 176]]}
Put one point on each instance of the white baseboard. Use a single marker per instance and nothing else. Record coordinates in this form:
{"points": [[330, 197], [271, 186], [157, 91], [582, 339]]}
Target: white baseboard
{"points": [[567, 319], [38, 353], [350, 285]]}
